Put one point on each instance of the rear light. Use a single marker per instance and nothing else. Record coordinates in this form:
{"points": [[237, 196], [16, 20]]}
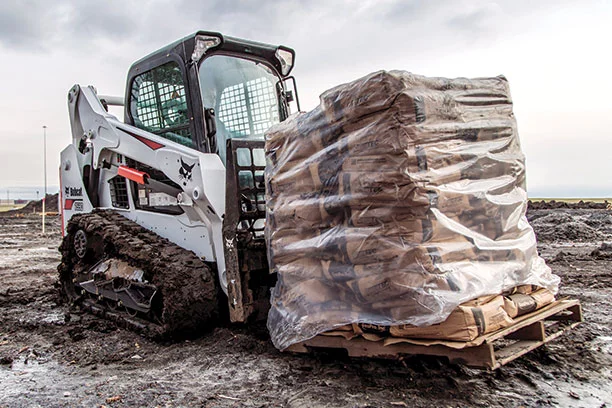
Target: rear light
{"points": [[202, 44]]}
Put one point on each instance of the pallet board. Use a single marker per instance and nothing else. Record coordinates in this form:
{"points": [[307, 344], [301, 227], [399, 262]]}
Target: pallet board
{"points": [[493, 350]]}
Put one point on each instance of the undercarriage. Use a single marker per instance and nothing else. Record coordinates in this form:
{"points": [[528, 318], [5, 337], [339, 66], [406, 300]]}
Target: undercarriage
{"points": [[113, 267]]}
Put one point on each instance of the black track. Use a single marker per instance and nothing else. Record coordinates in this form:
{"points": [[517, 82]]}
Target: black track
{"points": [[186, 303]]}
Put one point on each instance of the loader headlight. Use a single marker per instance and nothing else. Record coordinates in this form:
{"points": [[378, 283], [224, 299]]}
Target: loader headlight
{"points": [[285, 56], [202, 44]]}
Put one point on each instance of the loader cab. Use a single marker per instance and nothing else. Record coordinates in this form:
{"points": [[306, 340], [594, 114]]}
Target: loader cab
{"points": [[219, 94], [207, 88]]}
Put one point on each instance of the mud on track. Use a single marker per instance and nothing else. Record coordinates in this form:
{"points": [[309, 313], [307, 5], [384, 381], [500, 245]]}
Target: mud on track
{"points": [[51, 356]]}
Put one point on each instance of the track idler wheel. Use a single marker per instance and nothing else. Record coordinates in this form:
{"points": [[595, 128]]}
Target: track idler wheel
{"points": [[80, 243]]}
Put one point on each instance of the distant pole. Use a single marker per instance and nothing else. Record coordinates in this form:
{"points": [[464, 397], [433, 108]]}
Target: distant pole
{"points": [[45, 172]]}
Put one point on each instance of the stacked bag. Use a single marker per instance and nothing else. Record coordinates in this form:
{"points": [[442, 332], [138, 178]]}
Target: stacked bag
{"points": [[397, 199]]}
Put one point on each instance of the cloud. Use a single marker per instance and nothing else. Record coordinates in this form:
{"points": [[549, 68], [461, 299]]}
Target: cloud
{"points": [[335, 27], [549, 49], [23, 25], [479, 20], [37, 24], [106, 19]]}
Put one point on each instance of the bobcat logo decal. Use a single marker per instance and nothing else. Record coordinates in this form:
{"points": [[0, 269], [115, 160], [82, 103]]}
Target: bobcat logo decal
{"points": [[185, 172]]}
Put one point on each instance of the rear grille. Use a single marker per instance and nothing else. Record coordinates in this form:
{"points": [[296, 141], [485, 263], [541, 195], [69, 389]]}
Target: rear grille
{"points": [[118, 192]]}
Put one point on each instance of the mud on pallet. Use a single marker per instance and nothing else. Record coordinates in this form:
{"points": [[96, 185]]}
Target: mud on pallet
{"points": [[489, 351]]}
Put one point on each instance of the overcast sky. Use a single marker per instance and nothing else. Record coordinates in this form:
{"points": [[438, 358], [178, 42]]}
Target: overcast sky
{"points": [[556, 55]]}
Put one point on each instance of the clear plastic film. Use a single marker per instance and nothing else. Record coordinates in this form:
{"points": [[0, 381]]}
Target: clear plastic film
{"points": [[394, 201]]}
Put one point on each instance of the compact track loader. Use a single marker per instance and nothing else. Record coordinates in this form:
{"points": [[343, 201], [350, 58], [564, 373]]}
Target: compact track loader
{"points": [[163, 214]]}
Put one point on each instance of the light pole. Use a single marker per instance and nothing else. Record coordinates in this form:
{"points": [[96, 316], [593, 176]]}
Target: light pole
{"points": [[45, 172]]}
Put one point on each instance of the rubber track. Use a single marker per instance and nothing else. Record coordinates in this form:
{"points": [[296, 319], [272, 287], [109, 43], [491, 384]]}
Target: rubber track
{"points": [[187, 286]]}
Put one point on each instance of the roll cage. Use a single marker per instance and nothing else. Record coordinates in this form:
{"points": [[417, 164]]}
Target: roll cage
{"points": [[196, 130]]}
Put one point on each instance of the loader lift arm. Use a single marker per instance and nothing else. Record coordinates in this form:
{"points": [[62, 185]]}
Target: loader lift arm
{"points": [[110, 141]]}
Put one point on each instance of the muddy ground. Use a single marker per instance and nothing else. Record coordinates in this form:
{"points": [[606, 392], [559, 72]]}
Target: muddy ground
{"points": [[50, 356]]}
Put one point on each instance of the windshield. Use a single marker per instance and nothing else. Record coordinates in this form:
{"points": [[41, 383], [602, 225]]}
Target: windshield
{"points": [[243, 95]]}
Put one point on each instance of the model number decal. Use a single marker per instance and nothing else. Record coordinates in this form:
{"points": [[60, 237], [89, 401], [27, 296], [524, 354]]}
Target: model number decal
{"points": [[73, 204]]}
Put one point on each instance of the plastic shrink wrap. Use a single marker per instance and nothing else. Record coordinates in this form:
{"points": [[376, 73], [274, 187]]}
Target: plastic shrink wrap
{"points": [[394, 201]]}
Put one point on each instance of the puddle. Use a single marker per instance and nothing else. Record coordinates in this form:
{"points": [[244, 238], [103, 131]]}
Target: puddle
{"points": [[55, 317], [603, 343], [580, 394], [38, 383]]}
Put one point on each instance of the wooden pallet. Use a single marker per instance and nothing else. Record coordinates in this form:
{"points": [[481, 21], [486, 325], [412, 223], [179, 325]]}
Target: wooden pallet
{"points": [[493, 350]]}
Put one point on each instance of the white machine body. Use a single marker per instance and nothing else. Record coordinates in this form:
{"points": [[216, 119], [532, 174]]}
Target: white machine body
{"points": [[106, 143]]}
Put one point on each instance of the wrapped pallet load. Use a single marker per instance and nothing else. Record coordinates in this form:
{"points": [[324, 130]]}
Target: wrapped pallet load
{"points": [[399, 202]]}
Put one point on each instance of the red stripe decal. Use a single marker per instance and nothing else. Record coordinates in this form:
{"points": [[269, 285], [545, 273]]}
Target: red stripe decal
{"points": [[150, 143], [69, 203]]}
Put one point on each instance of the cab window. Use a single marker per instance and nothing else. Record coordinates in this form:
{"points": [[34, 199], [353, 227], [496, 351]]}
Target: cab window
{"points": [[243, 94], [158, 104]]}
